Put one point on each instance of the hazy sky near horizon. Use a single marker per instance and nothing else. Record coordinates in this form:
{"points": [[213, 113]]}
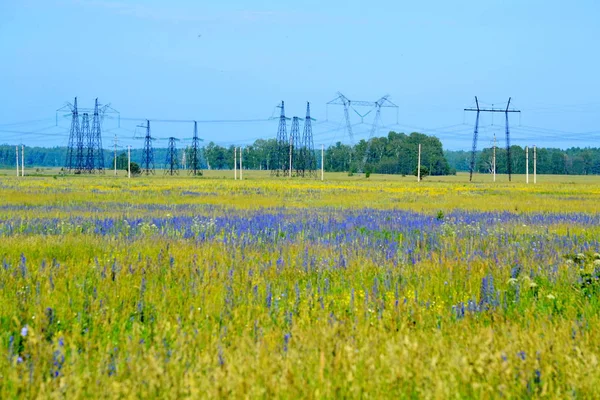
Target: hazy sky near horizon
{"points": [[224, 60]]}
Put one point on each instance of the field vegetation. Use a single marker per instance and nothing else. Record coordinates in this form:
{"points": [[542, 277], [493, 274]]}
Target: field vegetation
{"points": [[159, 287]]}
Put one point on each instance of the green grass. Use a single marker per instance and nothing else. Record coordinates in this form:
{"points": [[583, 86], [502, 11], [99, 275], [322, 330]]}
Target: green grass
{"points": [[147, 312]]}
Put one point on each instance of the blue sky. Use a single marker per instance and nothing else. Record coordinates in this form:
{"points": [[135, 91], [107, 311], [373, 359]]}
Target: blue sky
{"points": [[237, 59]]}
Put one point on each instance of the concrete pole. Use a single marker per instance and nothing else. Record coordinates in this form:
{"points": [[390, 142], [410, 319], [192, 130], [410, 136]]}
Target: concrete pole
{"points": [[534, 165], [322, 162], [22, 160], [116, 140], [235, 163], [419, 165], [17, 149], [494, 158], [527, 164], [241, 165], [291, 139]]}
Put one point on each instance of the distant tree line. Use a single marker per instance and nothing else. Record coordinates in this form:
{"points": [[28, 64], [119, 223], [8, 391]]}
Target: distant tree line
{"points": [[55, 157], [395, 153], [572, 161]]}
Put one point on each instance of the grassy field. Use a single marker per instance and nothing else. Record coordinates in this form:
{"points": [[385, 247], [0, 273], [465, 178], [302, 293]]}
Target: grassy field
{"points": [[171, 287]]}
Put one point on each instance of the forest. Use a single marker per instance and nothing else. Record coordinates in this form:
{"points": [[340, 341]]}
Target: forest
{"points": [[552, 161], [395, 153]]}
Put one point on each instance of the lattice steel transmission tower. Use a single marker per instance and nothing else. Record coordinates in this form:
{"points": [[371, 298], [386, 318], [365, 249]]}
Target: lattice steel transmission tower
{"points": [[96, 150], [370, 105], [294, 145], [307, 151], [82, 143], [148, 153], [90, 156], [172, 161], [73, 135], [376, 123], [344, 101], [85, 152], [195, 154], [280, 166], [479, 110]]}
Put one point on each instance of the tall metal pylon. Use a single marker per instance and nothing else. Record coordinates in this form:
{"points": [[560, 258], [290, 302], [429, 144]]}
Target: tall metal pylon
{"points": [[308, 147], [86, 154], [96, 135], [474, 146], [372, 105], [294, 144], [506, 111], [73, 135], [382, 102], [343, 100], [280, 167], [298, 154], [82, 136], [89, 139], [195, 156], [508, 155], [148, 153], [172, 161]]}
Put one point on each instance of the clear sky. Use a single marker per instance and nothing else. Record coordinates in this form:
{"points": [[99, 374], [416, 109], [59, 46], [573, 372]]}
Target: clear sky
{"points": [[213, 60]]}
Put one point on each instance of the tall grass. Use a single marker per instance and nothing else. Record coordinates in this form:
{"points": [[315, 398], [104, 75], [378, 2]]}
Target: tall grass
{"points": [[210, 288]]}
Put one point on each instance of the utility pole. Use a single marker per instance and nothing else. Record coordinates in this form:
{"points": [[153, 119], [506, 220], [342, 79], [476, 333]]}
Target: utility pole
{"points": [[419, 165], [241, 165], [22, 160], [506, 111], [115, 142], [129, 161], [322, 161], [291, 147], [494, 158], [17, 149], [534, 165], [527, 164], [235, 163]]}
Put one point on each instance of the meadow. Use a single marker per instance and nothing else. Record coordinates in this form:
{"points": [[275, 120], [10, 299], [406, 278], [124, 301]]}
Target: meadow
{"points": [[181, 287]]}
